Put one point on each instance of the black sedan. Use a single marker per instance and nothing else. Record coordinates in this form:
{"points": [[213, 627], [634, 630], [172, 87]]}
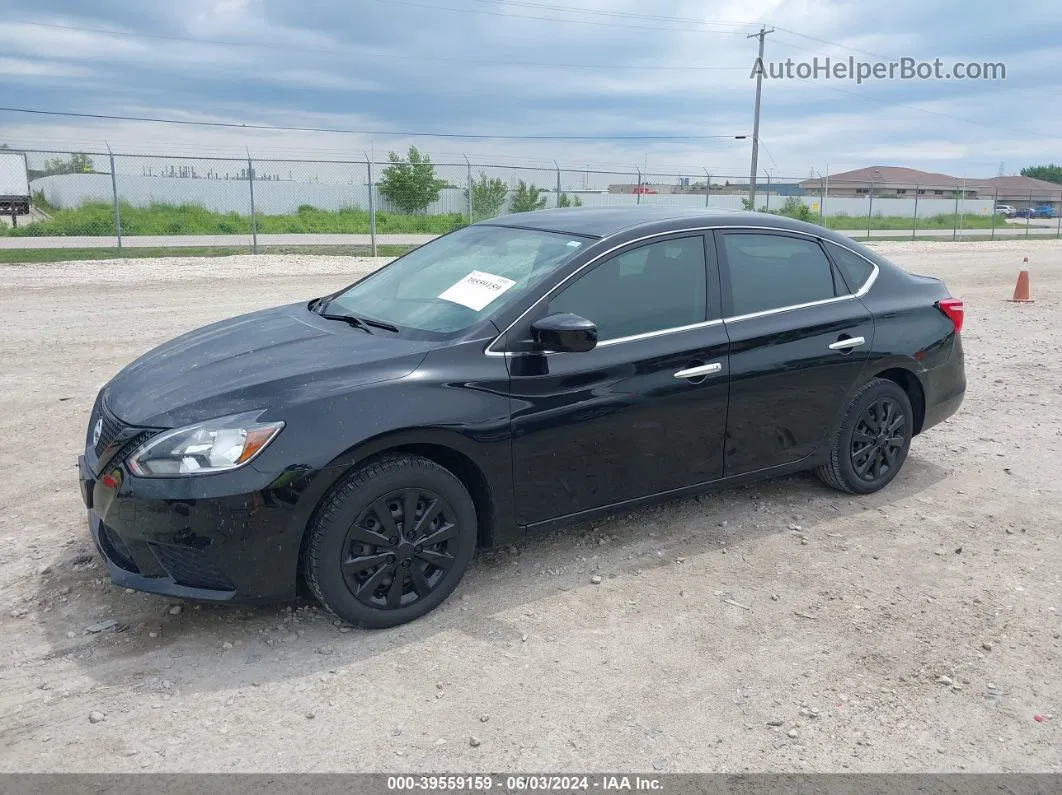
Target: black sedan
{"points": [[530, 371]]}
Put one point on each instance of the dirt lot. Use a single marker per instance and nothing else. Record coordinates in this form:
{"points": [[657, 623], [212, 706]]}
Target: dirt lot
{"points": [[917, 629]]}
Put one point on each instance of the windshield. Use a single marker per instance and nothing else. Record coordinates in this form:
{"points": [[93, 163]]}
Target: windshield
{"points": [[454, 282]]}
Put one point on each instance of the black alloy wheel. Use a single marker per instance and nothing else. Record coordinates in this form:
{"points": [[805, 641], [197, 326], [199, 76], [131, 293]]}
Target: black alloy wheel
{"points": [[872, 440], [396, 550], [391, 541], [879, 437]]}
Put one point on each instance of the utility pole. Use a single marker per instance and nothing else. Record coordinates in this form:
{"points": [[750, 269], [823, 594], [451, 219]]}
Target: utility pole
{"points": [[762, 35]]}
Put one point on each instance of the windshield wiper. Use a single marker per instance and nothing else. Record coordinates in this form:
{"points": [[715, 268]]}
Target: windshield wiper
{"points": [[354, 321], [360, 322]]}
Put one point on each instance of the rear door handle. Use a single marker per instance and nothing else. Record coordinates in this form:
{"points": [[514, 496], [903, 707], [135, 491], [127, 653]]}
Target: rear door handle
{"points": [[700, 371], [844, 345]]}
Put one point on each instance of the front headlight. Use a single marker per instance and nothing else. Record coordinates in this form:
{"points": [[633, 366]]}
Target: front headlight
{"points": [[219, 445]]}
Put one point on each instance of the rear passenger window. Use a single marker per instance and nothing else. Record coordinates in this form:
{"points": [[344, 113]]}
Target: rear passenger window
{"points": [[853, 267], [775, 271]]}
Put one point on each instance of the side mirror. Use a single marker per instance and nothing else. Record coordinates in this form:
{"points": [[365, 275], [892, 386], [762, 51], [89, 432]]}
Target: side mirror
{"points": [[564, 332]]}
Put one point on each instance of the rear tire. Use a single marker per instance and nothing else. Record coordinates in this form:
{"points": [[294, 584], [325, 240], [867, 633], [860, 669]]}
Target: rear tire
{"points": [[872, 440], [391, 542]]}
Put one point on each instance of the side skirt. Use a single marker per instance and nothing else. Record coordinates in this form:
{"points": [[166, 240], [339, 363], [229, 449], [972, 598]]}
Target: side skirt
{"points": [[666, 496]]}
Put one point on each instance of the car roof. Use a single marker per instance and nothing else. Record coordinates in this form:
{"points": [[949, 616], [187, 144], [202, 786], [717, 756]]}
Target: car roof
{"points": [[603, 222]]}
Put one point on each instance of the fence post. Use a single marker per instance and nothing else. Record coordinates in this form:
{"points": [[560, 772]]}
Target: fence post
{"points": [[114, 195], [955, 218], [995, 215], [962, 205], [638, 190], [1058, 224], [708, 187], [372, 207], [468, 165], [870, 210], [914, 220], [1028, 216], [254, 220], [558, 181], [768, 206]]}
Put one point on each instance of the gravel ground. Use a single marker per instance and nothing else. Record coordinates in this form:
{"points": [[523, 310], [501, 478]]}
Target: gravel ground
{"points": [[778, 627]]}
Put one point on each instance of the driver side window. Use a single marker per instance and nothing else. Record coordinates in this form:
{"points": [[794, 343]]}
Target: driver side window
{"points": [[650, 288]]}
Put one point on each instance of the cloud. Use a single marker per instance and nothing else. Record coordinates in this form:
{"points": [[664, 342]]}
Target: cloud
{"points": [[388, 68], [24, 68]]}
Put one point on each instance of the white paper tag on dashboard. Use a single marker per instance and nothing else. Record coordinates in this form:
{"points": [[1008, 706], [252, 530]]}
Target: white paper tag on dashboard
{"points": [[477, 290]]}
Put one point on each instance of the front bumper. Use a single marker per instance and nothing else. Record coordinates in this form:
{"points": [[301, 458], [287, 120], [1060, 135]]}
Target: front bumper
{"points": [[223, 538]]}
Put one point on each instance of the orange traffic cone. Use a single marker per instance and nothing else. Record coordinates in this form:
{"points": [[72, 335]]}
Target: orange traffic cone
{"points": [[1021, 289]]}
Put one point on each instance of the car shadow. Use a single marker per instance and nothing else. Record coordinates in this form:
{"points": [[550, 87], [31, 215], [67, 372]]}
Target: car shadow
{"points": [[163, 646]]}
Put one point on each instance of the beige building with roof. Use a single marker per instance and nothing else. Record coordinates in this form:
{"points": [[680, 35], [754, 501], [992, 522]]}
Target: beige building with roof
{"points": [[907, 183]]}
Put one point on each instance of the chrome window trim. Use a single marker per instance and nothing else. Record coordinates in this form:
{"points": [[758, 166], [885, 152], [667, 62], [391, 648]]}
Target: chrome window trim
{"points": [[873, 273], [705, 324], [794, 307], [660, 332]]}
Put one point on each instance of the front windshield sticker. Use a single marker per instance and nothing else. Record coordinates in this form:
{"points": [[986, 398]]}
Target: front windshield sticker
{"points": [[574, 244], [477, 290]]}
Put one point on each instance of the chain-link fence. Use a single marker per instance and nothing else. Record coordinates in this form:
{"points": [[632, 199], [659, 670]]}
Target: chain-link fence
{"points": [[99, 198]]}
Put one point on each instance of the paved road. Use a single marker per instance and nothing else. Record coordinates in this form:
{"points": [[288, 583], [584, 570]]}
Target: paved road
{"points": [[157, 241], [188, 241]]}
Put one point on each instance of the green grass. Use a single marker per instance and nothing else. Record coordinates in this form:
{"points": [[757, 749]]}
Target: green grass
{"points": [[97, 218], [951, 221], [28, 256]]}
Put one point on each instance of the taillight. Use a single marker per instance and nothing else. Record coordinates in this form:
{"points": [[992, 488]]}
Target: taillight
{"points": [[953, 308]]}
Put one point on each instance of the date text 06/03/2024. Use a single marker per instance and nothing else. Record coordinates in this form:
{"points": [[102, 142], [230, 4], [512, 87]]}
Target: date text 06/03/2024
{"points": [[532, 783]]}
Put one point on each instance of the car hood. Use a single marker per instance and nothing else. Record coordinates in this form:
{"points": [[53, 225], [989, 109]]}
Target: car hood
{"points": [[269, 359]]}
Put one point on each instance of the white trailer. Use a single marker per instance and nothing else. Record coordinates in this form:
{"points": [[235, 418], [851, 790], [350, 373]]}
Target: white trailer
{"points": [[14, 184]]}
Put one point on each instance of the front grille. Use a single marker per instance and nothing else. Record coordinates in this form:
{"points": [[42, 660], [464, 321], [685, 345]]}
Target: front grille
{"points": [[191, 568], [115, 549], [111, 427]]}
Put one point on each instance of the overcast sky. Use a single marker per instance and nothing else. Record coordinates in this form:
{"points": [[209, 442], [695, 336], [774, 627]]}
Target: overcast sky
{"points": [[527, 67]]}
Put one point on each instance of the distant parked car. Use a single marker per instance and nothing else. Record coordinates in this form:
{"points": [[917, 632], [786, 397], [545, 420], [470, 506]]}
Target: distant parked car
{"points": [[1006, 209], [1024, 212], [1044, 211]]}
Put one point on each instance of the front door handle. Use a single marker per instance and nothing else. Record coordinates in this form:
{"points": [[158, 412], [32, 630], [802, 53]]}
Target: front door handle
{"points": [[700, 371], [847, 344]]}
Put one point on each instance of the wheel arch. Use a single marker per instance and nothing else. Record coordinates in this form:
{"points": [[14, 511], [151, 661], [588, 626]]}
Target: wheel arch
{"points": [[911, 384], [448, 449]]}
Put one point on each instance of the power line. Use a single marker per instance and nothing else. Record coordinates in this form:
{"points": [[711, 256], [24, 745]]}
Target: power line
{"points": [[566, 20], [401, 57], [395, 133], [922, 110], [834, 44], [625, 14]]}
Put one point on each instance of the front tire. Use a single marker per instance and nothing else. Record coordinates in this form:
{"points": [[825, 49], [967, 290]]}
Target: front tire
{"points": [[872, 440], [391, 542]]}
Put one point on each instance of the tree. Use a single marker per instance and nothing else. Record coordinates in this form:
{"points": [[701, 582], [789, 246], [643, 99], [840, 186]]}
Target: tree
{"points": [[77, 164], [1051, 173], [794, 208], [527, 198], [411, 184], [488, 196], [569, 201]]}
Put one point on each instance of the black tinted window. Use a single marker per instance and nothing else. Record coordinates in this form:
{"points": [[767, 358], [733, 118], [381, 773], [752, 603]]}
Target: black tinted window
{"points": [[651, 288], [773, 271], [853, 267]]}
